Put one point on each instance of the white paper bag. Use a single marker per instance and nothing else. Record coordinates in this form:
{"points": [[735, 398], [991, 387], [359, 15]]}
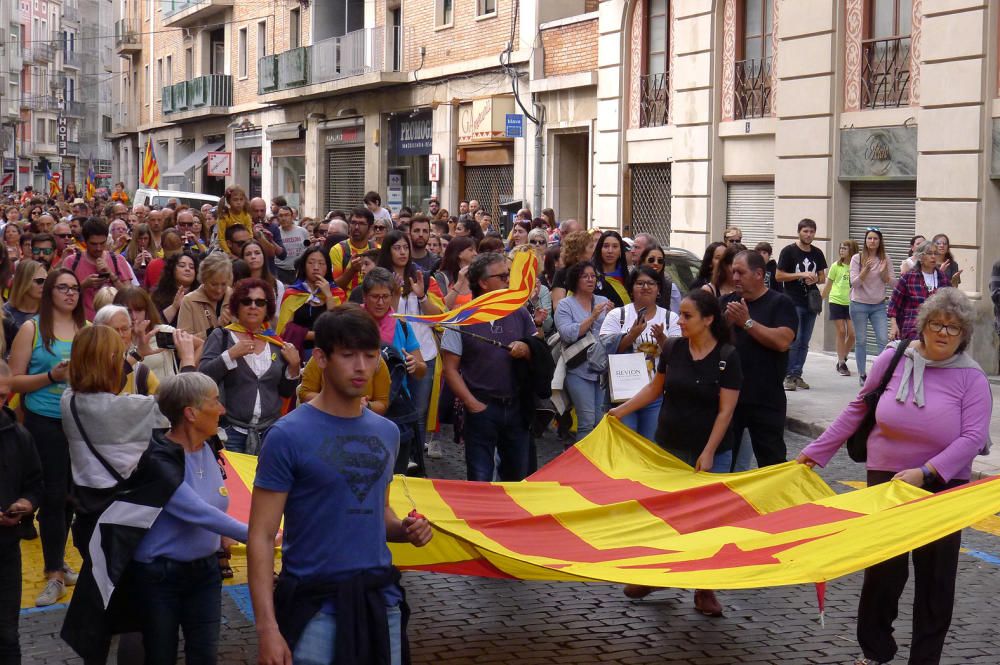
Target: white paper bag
{"points": [[627, 375]]}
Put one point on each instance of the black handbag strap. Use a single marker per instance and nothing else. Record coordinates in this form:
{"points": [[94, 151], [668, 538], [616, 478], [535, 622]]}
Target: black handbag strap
{"points": [[86, 439], [887, 376]]}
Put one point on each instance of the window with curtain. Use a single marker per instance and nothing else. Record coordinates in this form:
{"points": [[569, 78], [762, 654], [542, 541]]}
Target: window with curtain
{"points": [[752, 85], [656, 68]]}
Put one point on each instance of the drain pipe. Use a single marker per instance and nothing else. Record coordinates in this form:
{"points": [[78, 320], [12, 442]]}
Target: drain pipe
{"points": [[536, 203]]}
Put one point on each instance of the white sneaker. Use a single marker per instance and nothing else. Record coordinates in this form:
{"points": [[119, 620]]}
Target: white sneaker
{"points": [[70, 576], [50, 595], [434, 450]]}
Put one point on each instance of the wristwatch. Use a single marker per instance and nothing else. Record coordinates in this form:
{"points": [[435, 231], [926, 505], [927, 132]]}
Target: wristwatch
{"points": [[748, 325]]}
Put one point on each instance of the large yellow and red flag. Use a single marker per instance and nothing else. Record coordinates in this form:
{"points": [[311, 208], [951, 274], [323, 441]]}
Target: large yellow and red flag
{"points": [[493, 305], [617, 508], [150, 167]]}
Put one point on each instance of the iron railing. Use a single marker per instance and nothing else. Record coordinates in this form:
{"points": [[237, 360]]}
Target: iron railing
{"points": [[752, 89], [71, 13], [39, 52], [72, 59], [127, 34], [40, 103], [213, 90], [885, 73], [74, 108], [654, 99]]}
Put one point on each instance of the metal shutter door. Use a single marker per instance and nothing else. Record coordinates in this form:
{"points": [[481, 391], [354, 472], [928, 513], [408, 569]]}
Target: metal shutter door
{"points": [[345, 179], [491, 186], [750, 206], [650, 202], [892, 207]]}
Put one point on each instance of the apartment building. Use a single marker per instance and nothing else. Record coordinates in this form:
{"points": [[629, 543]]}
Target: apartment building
{"points": [[54, 91]]}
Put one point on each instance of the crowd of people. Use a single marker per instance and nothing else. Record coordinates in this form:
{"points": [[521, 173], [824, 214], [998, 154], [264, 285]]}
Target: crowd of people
{"points": [[140, 342]]}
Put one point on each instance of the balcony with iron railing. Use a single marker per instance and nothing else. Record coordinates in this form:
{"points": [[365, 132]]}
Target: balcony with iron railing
{"points": [[40, 52], [73, 148], [75, 109], [752, 88], [362, 53], [128, 38], [202, 96], [70, 14], [189, 13], [40, 103], [654, 99], [72, 59], [885, 73]]}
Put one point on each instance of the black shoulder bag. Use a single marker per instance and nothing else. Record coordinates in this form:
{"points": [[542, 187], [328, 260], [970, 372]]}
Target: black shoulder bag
{"points": [[857, 443]]}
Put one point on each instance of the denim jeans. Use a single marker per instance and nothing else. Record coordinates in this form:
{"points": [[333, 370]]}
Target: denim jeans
{"points": [[10, 600], [236, 441], [643, 422], [497, 429], [744, 454], [318, 642], [185, 595], [588, 402], [800, 347], [861, 314], [421, 394]]}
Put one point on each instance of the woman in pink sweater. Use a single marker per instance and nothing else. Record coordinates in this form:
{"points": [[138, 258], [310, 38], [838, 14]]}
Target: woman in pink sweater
{"points": [[931, 421]]}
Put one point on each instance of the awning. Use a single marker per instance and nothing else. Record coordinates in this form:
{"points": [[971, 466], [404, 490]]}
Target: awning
{"points": [[283, 132], [180, 169]]}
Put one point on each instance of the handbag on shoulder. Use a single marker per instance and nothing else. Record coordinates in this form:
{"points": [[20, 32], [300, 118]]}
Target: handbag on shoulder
{"points": [[857, 443]]}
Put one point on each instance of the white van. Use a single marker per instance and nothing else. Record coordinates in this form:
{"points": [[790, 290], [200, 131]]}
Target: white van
{"points": [[161, 197]]}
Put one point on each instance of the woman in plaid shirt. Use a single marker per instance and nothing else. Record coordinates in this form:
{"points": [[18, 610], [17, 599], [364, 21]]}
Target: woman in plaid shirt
{"points": [[912, 289]]}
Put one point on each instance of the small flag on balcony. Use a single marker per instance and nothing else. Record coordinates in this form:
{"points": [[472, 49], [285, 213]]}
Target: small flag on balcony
{"points": [[150, 169]]}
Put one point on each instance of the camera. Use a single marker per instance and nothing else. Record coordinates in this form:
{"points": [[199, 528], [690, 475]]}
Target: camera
{"points": [[165, 340]]}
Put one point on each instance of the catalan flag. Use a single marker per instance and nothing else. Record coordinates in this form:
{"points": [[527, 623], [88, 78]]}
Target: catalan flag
{"points": [[299, 294], [267, 335], [493, 305], [617, 508], [150, 168], [90, 187]]}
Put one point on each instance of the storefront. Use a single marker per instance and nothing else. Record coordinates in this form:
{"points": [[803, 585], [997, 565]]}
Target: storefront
{"points": [[343, 144], [408, 180], [485, 156], [288, 162], [248, 160]]}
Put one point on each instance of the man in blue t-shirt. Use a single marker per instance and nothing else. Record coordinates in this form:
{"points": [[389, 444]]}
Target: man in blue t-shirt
{"points": [[327, 467]]}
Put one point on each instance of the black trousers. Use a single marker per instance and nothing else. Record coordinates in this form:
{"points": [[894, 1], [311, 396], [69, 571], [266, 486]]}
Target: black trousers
{"points": [[54, 511], [767, 432], [10, 599], [934, 566]]}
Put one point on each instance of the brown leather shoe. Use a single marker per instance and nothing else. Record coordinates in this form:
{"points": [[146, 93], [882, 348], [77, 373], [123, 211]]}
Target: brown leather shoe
{"points": [[706, 603], [637, 591]]}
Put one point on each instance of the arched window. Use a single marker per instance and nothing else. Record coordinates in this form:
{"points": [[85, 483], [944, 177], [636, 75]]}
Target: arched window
{"points": [[654, 88], [885, 54], [755, 56]]}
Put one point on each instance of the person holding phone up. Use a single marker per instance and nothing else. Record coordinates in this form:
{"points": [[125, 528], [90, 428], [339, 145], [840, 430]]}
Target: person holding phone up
{"points": [[20, 492]]}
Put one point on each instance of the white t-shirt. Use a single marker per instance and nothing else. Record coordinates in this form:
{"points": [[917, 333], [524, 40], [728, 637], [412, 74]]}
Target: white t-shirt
{"points": [[294, 242], [645, 341]]}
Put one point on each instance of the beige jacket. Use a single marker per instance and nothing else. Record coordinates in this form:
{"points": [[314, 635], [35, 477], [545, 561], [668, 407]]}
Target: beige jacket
{"points": [[198, 314]]}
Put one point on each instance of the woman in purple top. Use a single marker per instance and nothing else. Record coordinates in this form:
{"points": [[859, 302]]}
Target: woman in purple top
{"points": [[931, 421]]}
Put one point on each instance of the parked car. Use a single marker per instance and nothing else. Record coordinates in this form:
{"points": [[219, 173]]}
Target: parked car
{"points": [[681, 266], [161, 197]]}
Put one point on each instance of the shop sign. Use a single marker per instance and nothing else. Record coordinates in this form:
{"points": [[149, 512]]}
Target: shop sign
{"points": [[434, 167], [413, 135], [62, 135], [878, 153], [344, 136], [220, 164], [514, 126], [484, 119]]}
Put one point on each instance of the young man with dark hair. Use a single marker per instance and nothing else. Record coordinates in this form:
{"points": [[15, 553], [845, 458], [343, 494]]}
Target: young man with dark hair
{"points": [[96, 267], [236, 236], [326, 467], [420, 233], [801, 268], [43, 249], [764, 323]]}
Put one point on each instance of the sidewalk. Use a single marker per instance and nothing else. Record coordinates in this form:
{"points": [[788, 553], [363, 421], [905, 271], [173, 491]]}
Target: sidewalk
{"points": [[810, 412]]}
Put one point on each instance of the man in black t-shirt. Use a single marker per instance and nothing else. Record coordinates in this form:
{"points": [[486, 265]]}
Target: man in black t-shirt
{"points": [[764, 323], [800, 268]]}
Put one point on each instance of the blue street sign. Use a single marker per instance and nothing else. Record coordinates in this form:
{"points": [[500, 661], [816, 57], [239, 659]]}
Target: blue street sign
{"points": [[515, 126]]}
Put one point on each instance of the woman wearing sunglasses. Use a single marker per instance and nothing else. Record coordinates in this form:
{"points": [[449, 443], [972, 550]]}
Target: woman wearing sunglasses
{"points": [[25, 292], [256, 369], [39, 363], [669, 296]]}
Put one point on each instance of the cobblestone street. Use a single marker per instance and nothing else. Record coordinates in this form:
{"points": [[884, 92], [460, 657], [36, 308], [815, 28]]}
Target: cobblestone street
{"points": [[473, 620]]}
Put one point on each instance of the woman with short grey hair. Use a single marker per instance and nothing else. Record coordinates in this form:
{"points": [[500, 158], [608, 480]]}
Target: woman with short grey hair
{"points": [[912, 289], [175, 563], [206, 308], [930, 423]]}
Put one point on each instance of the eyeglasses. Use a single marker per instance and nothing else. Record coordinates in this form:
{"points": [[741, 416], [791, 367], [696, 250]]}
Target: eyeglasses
{"points": [[500, 275], [645, 284], [38, 280], [257, 302], [64, 236], [47, 251], [537, 242], [588, 276], [359, 222], [377, 297], [67, 288], [951, 329], [655, 259]]}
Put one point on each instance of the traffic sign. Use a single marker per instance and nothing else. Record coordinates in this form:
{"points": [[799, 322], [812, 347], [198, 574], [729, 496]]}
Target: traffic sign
{"points": [[220, 164], [514, 126]]}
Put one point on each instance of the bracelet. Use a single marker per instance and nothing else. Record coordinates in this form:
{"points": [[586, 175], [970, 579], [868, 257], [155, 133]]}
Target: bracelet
{"points": [[928, 474], [49, 374], [422, 300]]}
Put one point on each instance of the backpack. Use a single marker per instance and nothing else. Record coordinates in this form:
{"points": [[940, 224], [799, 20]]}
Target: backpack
{"points": [[345, 252], [400, 409], [114, 264]]}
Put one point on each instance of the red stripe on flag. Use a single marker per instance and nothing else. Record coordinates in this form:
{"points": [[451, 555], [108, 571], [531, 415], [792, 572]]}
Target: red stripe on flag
{"points": [[797, 517], [686, 511], [491, 511], [239, 495], [472, 568]]}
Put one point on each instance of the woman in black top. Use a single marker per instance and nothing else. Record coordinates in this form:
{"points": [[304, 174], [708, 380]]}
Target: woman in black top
{"points": [[699, 396], [713, 254]]}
